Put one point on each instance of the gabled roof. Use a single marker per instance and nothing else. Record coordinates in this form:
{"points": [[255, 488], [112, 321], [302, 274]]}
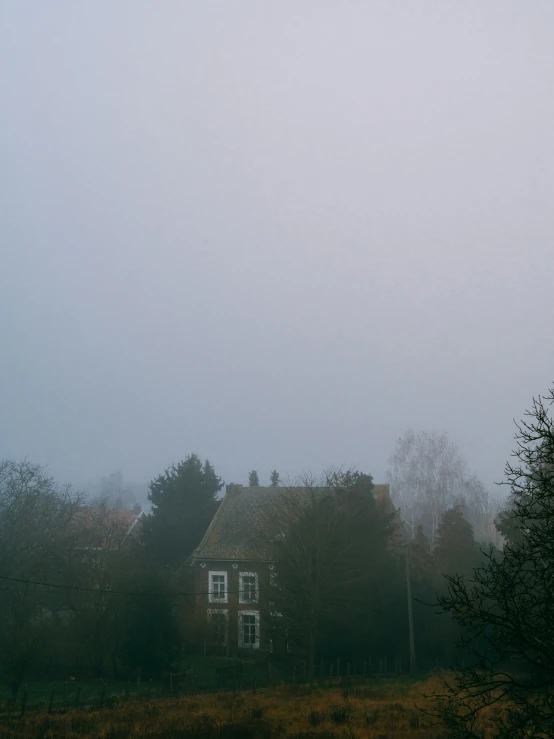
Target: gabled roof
{"points": [[232, 532]]}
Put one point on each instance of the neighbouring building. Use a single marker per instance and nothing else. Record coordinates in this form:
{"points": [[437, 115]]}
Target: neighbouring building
{"points": [[233, 569]]}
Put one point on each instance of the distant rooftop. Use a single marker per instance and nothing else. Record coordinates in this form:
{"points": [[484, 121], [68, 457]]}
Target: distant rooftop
{"points": [[231, 534]]}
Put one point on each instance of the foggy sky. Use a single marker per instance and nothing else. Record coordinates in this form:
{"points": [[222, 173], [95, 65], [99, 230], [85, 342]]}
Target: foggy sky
{"points": [[274, 233]]}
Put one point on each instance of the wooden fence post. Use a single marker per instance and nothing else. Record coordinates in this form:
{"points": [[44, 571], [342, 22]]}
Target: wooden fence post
{"points": [[51, 701]]}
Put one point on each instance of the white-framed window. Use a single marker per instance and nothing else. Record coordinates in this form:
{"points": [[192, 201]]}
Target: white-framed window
{"points": [[248, 587], [249, 629], [218, 619], [217, 586]]}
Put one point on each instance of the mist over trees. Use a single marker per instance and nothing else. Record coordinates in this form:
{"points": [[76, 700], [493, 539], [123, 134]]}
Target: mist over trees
{"points": [[428, 475]]}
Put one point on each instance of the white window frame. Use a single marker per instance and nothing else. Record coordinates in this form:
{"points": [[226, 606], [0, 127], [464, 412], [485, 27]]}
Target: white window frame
{"points": [[225, 612], [256, 644], [211, 594], [242, 598]]}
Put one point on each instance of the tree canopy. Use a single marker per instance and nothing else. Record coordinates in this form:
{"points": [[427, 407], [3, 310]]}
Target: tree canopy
{"points": [[184, 500]]}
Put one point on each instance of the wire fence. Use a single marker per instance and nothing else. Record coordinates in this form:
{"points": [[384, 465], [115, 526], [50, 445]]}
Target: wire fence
{"points": [[229, 676]]}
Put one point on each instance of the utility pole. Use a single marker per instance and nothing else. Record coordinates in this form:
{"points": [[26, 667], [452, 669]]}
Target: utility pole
{"points": [[410, 613], [409, 596]]}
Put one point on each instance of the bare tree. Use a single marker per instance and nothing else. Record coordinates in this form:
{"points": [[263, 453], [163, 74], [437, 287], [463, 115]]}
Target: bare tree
{"points": [[506, 610], [35, 517], [103, 560], [428, 475], [316, 530]]}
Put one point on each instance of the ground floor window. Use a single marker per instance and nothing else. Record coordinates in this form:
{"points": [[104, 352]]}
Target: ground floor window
{"points": [[218, 619], [249, 629]]}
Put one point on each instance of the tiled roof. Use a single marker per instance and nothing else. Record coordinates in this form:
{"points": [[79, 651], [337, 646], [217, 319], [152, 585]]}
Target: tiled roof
{"points": [[232, 532]]}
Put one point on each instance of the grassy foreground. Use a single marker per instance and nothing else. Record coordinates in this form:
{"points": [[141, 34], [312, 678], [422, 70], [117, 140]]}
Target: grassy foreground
{"points": [[380, 711]]}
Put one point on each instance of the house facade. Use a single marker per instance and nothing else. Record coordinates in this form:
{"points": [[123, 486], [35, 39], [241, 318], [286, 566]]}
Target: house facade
{"points": [[234, 569]]}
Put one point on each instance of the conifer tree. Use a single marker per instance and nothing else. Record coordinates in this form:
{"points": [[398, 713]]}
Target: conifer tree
{"points": [[184, 500], [275, 481], [455, 550], [253, 479]]}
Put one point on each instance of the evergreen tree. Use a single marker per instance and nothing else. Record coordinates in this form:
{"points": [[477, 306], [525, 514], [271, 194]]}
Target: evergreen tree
{"points": [[253, 479], [421, 559], [275, 479], [184, 500], [455, 550]]}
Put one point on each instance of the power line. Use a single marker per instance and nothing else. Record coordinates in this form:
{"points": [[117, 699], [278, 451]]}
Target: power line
{"points": [[110, 592]]}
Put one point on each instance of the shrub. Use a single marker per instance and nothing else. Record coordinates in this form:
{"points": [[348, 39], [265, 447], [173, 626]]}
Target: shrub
{"points": [[339, 714], [315, 718]]}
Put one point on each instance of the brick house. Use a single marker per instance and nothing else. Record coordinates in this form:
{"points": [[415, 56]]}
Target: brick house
{"points": [[233, 570]]}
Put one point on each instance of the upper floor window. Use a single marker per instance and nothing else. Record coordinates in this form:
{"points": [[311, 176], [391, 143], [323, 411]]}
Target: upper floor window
{"points": [[248, 587], [218, 587]]}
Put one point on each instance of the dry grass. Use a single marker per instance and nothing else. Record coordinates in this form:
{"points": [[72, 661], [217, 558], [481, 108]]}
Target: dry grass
{"points": [[372, 712]]}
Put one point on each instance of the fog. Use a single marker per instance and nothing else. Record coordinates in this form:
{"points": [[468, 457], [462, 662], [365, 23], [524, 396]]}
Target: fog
{"points": [[275, 234]]}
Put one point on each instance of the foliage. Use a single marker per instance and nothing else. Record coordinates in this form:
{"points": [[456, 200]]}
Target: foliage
{"points": [[184, 500], [332, 548], [455, 550], [429, 475], [509, 603], [253, 480], [35, 518], [266, 715], [274, 477], [152, 640]]}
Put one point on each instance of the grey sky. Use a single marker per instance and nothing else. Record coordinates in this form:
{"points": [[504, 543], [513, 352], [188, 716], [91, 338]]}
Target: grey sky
{"points": [[274, 233]]}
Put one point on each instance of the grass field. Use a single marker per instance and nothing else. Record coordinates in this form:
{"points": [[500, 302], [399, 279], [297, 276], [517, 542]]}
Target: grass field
{"points": [[376, 711]]}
